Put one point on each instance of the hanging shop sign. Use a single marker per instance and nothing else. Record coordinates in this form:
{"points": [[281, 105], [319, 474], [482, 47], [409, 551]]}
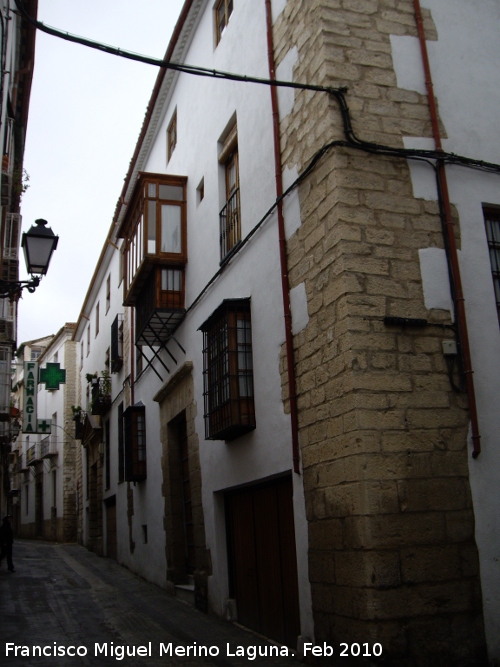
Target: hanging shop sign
{"points": [[30, 396], [52, 376]]}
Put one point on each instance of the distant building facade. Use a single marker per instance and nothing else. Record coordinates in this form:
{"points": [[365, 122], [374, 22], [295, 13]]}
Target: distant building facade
{"points": [[47, 461]]}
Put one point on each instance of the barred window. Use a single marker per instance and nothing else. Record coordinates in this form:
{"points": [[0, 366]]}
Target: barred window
{"points": [[121, 445], [134, 422], [228, 371], [492, 222], [230, 214], [117, 344]]}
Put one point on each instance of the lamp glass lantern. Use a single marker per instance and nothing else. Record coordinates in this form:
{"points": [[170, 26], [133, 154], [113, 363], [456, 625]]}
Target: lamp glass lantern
{"points": [[38, 244]]}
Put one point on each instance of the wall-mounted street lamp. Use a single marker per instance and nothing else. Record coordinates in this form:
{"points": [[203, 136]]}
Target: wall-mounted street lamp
{"points": [[38, 244]]}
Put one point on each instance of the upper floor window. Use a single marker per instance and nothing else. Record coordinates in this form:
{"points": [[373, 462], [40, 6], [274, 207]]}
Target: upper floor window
{"points": [[223, 10], [154, 229], [228, 371], [172, 135], [492, 222], [117, 344], [88, 340], [97, 319], [134, 423], [108, 292], [229, 216], [35, 353]]}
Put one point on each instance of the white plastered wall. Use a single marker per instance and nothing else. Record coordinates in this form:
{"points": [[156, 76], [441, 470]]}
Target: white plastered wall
{"points": [[204, 109], [464, 64]]}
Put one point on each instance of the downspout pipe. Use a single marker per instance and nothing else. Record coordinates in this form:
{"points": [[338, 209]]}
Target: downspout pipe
{"points": [[452, 253], [285, 283]]}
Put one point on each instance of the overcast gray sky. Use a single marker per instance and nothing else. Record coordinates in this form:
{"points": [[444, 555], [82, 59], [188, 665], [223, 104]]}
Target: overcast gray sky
{"points": [[86, 112]]}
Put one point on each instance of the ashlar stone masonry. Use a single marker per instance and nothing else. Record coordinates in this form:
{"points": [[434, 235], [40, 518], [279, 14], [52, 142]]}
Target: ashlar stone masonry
{"points": [[383, 436]]}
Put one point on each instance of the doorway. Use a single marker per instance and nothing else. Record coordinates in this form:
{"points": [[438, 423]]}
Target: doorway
{"points": [[262, 559]]}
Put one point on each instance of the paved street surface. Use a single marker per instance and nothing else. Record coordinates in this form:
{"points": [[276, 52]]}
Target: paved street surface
{"points": [[63, 596]]}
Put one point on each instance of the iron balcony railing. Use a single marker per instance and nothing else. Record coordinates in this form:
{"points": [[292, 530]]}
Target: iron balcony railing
{"points": [[230, 224], [49, 446], [18, 466], [33, 454]]}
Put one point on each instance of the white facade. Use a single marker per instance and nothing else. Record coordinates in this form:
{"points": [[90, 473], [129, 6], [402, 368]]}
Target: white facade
{"points": [[46, 478], [468, 96], [206, 111]]}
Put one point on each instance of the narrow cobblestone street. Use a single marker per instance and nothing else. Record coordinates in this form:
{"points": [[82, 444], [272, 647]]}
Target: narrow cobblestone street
{"points": [[64, 596]]}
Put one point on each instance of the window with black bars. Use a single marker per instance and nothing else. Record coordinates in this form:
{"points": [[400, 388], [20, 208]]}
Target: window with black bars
{"points": [[134, 423], [228, 371], [117, 344], [230, 214], [492, 222], [107, 455], [121, 445]]}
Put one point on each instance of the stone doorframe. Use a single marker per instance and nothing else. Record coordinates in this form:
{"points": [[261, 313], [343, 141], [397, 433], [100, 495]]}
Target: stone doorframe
{"points": [[176, 401]]}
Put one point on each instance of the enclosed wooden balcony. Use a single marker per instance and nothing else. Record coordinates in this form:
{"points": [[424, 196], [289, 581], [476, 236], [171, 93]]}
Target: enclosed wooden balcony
{"points": [[154, 229], [154, 254]]}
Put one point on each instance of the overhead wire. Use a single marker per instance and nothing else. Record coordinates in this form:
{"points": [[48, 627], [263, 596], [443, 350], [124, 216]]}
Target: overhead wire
{"points": [[351, 140], [339, 94]]}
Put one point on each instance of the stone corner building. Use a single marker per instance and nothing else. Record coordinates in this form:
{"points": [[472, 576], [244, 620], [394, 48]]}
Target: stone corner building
{"points": [[383, 431]]}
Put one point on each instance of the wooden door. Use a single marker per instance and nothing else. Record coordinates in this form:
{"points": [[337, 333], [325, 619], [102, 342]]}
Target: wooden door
{"points": [[262, 559]]}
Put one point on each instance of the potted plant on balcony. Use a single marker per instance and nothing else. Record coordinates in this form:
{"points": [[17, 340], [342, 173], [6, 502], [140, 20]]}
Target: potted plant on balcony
{"points": [[78, 418], [101, 393]]}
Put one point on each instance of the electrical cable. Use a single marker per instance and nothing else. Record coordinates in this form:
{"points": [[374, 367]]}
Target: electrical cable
{"points": [[338, 94], [434, 158]]}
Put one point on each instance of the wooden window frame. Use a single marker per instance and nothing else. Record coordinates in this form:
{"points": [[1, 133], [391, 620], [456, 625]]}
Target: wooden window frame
{"points": [[228, 371], [142, 229], [171, 135], [220, 26], [230, 214]]}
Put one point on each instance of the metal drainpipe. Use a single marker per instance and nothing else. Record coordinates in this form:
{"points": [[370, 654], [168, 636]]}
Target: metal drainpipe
{"points": [[285, 284], [452, 254]]}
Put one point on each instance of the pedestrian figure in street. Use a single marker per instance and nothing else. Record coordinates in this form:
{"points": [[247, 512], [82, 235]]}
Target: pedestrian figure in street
{"points": [[6, 541]]}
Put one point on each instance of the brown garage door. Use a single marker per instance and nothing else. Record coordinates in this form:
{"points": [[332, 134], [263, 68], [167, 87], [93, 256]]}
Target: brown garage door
{"points": [[262, 559]]}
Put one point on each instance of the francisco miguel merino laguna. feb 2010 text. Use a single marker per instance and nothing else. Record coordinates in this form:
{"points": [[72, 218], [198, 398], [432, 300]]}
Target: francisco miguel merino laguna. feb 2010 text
{"points": [[121, 651]]}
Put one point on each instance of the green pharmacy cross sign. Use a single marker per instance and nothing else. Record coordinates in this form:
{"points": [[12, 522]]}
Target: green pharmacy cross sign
{"points": [[52, 376]]}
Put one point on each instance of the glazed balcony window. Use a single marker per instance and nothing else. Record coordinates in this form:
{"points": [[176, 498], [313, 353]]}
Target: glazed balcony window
{"points": [[154, 230]]}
